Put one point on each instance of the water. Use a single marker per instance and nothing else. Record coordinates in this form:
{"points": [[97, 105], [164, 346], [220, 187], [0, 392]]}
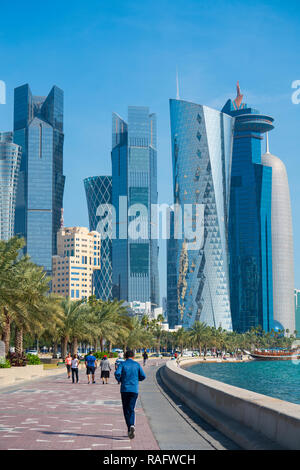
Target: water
{"points": [[278, 379]]}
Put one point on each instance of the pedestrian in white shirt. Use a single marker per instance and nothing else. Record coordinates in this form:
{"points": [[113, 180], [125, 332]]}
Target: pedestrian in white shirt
{"points": [[74, 367]]}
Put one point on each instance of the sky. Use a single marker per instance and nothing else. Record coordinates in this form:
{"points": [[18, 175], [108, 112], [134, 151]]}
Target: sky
{"points": [[107, 55]]}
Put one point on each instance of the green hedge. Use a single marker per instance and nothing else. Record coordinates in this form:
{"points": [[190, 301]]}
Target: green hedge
{"points": [[99, 354], [5, 364], [33, 359]]}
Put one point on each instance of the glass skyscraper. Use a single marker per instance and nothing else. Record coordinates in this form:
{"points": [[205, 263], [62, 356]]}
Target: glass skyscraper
{"points": [[250, 238], [10, 159], [38, 129], [98, 191], [201, 155], [134, 181], [172, 301]]}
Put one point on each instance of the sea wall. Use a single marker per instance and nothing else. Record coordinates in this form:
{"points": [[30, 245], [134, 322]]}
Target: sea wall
{"points": [[15, 375], [253, 420]]}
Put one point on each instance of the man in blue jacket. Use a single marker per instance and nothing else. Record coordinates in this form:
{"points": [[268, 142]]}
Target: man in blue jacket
{"points": [[129, 373]]}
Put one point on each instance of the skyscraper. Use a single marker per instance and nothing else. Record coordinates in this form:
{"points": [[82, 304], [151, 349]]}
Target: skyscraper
{"points": [[282, 245], [10, 159], [98, 191], [172, 302], [297, 311], [201, 154], [250, 238], [134, 181], [38, 129]]}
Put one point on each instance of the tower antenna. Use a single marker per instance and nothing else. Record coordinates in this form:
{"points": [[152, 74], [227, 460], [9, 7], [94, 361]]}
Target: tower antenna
{"points": [[177, 85], [267, 143]]}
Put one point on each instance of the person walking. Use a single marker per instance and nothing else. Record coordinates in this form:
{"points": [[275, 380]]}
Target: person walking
{"points": [[145, 357], [129, 373], [91, 366], [68, 362], [105, 369], [118, 362], [74, 366]]}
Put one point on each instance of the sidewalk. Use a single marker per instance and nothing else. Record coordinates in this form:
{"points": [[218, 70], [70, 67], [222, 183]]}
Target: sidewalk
{"points": [[54, 414]]}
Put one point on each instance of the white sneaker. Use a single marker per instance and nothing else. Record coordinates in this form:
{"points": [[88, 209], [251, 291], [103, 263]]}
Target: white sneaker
{"points": [[131, 432]]}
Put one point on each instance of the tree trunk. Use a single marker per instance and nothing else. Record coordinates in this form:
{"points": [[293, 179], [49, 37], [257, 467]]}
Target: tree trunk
{"points": [[64, 347], [19, 341], [200, 351], [95, 345], [55, 348], [101, 344], [75, 346], [6, 330]]}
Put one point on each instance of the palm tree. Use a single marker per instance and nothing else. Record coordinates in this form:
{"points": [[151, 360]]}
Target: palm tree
{"points": [[199, 334], [71, 322]]}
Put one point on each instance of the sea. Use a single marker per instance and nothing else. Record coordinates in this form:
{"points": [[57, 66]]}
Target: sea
{"points": [[278, 379]]}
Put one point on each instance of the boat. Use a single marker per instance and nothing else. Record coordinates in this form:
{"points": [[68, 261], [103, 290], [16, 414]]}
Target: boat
{"points": [[276, 355]]}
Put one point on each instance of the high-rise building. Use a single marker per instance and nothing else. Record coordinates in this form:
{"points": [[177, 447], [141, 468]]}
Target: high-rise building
{"points": [[201, 154], [10, 158], [172, 302], [250, 237], [38, 129], [297, 312], [134, 181], [282, 245], [98, 191], [78, 257]]}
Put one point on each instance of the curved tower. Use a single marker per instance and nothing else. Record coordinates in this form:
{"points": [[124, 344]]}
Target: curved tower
{"points": [[10, 158], [201, 154], [282, 244], [250, 237]]}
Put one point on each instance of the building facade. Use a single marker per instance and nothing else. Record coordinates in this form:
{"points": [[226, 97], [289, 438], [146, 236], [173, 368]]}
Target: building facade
{"points": [[134, 190], [98, 191], [10, 159], [78, 257], [201, 154], [282, 245], [172, 302], [250, 238], [297, 311], [38, 129]]}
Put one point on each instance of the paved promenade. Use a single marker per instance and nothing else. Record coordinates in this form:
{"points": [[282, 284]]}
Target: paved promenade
{"points": [[54, 414]]}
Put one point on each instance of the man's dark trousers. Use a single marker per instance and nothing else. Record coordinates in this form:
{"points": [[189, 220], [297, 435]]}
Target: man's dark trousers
{"points": [[128, 402]]}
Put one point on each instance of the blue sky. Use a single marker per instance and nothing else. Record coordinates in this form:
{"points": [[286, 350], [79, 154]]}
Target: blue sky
{"points": [[107, 55]]}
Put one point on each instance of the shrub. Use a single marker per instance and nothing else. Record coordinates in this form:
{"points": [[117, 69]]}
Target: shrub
{"points": [[5, 364], [99, 354], [33, 359], [17, 360]]}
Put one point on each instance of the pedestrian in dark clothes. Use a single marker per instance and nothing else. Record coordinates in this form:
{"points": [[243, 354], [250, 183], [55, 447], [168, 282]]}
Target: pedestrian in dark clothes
{"points": [[129, 373]]}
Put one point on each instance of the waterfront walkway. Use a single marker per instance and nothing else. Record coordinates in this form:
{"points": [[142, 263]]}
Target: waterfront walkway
{"points": [[52, 413]]}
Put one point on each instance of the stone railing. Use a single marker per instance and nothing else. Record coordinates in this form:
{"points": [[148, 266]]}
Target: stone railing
{"points": [[253, 420]]}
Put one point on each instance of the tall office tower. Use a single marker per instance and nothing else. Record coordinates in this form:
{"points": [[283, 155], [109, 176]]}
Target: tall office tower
{"points": [[250, 238], [134, 181], [10, 159], [201, 153], [98, 195], [78, 257], [172, 304], [38, 129], [297, 311], [282, 245]]}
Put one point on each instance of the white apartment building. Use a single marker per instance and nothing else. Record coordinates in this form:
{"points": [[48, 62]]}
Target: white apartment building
{"points": [[78, 256]]}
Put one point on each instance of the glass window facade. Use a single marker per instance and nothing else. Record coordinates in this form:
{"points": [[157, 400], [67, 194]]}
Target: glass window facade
{"points": [[38, 129], [10, 159], [134, 180], [201, 155], [250, 238], [98, 191]]}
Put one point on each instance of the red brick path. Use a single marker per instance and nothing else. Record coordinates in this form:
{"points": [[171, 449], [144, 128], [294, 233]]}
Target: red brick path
{"points": [[56, 414]]}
